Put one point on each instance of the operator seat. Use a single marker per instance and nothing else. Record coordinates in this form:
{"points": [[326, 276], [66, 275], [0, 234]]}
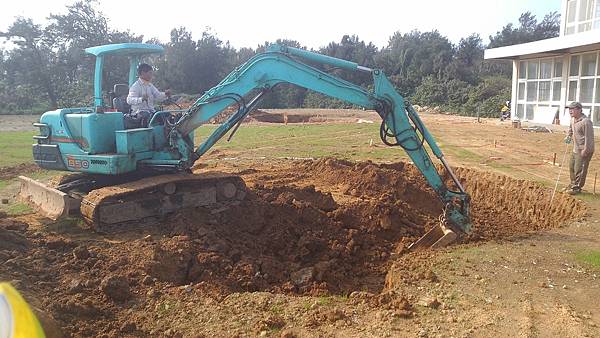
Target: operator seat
{"points": [[121, 91]]}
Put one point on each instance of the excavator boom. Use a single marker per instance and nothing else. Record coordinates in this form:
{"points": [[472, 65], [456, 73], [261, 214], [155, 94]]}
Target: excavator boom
{"points": [[401, 125]]}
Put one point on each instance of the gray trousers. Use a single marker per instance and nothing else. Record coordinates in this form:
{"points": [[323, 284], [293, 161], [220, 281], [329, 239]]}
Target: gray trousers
{"points": [[578, 167]]}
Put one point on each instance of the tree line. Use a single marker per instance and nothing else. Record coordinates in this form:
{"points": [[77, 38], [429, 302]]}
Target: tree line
{"points": [[46, 68]]}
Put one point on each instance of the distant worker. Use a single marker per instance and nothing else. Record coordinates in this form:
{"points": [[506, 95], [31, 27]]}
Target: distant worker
{"points": [[505, 111], [142, 96], [581, 131]]}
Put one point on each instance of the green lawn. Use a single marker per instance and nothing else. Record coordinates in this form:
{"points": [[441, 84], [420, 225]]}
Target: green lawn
{"points": [[15, 147], [349, 141], [589, 257]]}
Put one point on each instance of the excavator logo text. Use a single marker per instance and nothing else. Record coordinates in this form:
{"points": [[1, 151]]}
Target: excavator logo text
{"points": [[77, 164]]}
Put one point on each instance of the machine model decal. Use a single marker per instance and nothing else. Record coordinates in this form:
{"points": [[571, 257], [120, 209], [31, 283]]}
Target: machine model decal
{"points": [[77, 163]]}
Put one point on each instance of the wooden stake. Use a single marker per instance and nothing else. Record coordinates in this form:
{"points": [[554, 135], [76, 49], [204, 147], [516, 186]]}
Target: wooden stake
{"points": [[595, 178], [554, 159]]}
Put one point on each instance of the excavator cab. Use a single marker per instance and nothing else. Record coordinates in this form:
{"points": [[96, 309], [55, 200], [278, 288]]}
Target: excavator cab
{"points": [[134, 52]]}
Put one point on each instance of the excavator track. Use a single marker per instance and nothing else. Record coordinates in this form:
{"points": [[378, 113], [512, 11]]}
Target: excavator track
{"points": [[105, 209]]}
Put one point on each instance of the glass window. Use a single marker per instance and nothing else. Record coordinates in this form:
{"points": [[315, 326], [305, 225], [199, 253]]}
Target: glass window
{"points": [[598, 90], [588, 64], [520, 111], [586, 91], [571, 10], [544, 91], [585, 9], [545, 69], [556, 85], [521, 95], [558, 67], [574, 67], [522, 69], [532, 91], [572, 91], [584, 27], [570, 30], [532, 70], [529, 112]]}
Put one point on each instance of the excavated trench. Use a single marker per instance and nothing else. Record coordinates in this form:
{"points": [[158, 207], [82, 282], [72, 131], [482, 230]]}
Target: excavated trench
{"points": [[332, 226]]}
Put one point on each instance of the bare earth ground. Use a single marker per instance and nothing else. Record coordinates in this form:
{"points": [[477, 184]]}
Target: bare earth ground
{"points": [[318, 249], [17, 122]]}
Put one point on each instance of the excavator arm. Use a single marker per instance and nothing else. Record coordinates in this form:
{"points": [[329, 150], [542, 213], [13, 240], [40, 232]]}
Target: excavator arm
{"points": [[401, 125]]}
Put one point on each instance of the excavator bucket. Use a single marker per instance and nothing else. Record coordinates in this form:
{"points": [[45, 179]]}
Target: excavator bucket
{"points": [[439, 236], [49, 201]]}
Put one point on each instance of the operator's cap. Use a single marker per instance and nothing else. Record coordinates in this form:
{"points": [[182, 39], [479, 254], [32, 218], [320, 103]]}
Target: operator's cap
{"points": [[574, 105]]}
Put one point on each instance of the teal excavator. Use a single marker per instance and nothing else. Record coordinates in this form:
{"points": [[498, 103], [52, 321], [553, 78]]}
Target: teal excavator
{"points": [[118, 182]]}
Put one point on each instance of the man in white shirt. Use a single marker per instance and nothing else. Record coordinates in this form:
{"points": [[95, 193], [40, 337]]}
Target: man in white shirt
{"points": [[142, 96]]}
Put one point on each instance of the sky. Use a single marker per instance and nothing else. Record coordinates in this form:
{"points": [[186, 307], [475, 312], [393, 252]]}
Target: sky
{"points": [[314, 23]]}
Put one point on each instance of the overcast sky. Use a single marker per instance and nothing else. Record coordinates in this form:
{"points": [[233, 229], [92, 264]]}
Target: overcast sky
{"points": [[313, 23]]}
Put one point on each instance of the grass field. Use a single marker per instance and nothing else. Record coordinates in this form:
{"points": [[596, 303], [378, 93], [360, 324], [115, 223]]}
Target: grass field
{"points": [[488, 146], [350, 141], [15, 147]]}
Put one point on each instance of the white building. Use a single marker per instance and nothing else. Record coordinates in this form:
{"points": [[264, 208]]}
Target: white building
{"points": [[549, 74]]}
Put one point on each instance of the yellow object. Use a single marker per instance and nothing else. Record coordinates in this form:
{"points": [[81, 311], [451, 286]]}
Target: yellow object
{"points": [[16, 318]]}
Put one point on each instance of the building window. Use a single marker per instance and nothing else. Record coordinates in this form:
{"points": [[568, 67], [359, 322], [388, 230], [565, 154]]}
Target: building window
{"points": [[582, 16], [584, 83], [588, 67], [572, 91], [558, 66], [539, 85], [532, 91], [586, 92], [574, 66], [521, 95], [532, 70], [556, 85]]}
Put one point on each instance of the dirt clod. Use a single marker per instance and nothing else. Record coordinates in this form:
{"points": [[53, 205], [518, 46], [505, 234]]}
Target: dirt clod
{"points": [[81, 252], [115, 288]]}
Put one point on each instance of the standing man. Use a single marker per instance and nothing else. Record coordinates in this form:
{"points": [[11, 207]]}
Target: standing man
{"points": [[142, 96], [581, 132]]}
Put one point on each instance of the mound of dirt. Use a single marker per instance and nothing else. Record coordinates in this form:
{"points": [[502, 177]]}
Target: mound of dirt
{"points": [[287, 238]]}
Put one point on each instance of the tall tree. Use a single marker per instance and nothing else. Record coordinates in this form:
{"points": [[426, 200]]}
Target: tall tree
{"points": [[32, 59]]}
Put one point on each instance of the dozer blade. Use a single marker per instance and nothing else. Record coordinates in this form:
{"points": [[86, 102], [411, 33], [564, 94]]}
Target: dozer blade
{"points": [[439, 236], [49, 201]]}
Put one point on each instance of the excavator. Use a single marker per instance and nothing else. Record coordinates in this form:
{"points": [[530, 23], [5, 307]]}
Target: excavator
{"points": [[124, 175]]}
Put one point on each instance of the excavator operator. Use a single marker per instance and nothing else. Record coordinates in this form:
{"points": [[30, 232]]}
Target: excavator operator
{"points": [[142, 96]]}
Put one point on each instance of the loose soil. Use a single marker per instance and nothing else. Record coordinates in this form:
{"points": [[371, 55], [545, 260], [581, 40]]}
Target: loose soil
{"points": [[307, 229]]}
